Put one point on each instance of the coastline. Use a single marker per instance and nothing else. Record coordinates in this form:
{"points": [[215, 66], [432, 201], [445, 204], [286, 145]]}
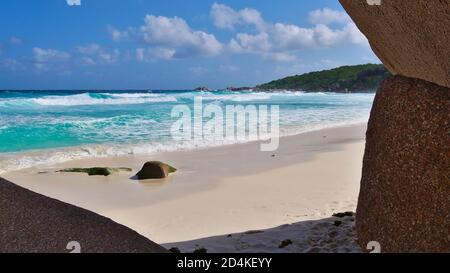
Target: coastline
{"points": [[218, 190], [46, 158]]}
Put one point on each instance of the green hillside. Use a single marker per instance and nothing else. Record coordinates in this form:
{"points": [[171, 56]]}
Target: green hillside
{"points": [[356, 78]]}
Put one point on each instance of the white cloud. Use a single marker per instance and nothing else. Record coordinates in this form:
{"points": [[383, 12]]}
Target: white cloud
{"points": [[73, 2], [356, 37], [47, 59], [252, 17], [87, 61], [175, 35], [169, 38], [250, 43], [118, 35], [224, 16], [49, 55], [327, 37], [90, 49], [258, 44], [281, 41], [227, 18], [93, 54], [327, 16], [155, 53], [292, 37], [12, 64]]}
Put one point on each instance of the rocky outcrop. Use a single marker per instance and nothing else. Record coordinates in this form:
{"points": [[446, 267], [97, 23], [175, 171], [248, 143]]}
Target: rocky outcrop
{"points": [[30, 222], [411, 38], [403, 202], [405, 187], [103, 171], [155, 170], [202, 88]]}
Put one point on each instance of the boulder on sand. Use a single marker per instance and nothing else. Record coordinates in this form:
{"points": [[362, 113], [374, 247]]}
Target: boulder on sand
{"points": [[155, 170]]}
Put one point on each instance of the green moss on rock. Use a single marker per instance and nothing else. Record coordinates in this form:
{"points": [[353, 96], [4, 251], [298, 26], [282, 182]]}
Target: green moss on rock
{"points": [[104, 171]]}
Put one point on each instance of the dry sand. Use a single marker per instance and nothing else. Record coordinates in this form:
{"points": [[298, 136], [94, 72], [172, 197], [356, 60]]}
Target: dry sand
{"points": [[225, 190]]}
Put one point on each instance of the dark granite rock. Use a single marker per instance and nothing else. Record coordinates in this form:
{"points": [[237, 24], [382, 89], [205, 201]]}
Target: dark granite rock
{"points": [[253, 231], [175, 250], [102, 171], [405, 187], [343, 214], [285, 243], [155, 170], [202, 88], [200, 251], [411, 38], [31, 222]]}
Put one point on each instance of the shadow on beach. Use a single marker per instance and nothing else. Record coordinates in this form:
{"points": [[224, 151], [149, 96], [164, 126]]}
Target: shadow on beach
{"points": [[328, 235]]}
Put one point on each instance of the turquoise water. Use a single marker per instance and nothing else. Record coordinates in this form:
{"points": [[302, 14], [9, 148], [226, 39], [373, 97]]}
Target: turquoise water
{"points": [[52, 126]]}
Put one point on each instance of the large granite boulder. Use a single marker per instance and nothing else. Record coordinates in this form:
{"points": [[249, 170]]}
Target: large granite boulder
{"points": [[411, 38], [155, 170], [31, 222], [405, 189]]}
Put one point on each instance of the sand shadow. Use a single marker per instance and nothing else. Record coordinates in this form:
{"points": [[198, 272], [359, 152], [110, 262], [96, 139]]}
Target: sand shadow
{"points": [[156, 181], [328, 235]]}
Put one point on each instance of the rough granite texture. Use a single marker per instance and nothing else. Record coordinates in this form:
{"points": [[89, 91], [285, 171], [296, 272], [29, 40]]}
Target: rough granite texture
{"points": [[155, 170], [411, 37], [404, 201], [30, 222]]}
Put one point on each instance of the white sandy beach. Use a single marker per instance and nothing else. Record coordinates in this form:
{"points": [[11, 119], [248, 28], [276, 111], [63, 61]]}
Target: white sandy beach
{"points": [[227, 190]]}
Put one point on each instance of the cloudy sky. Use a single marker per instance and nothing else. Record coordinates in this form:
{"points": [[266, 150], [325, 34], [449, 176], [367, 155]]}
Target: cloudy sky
{"points": [[171, 44]]}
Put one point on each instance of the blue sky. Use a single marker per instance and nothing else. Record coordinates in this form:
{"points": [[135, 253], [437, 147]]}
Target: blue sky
{"points": [[171, 44]]}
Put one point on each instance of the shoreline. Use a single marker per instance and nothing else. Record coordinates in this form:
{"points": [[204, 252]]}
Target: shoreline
{"points": [[42, 158], [316, 174]]}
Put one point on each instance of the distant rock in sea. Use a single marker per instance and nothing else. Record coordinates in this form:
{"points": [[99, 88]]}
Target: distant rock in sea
{"points": [[239, 89], [202, 88]]}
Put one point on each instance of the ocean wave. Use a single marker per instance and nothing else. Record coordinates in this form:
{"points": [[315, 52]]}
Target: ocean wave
{"points": [[131, 95], [87, 99], [109, 98], [45, 158], [31, 122], [22, 160], [237, 97], [17, 103]]}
